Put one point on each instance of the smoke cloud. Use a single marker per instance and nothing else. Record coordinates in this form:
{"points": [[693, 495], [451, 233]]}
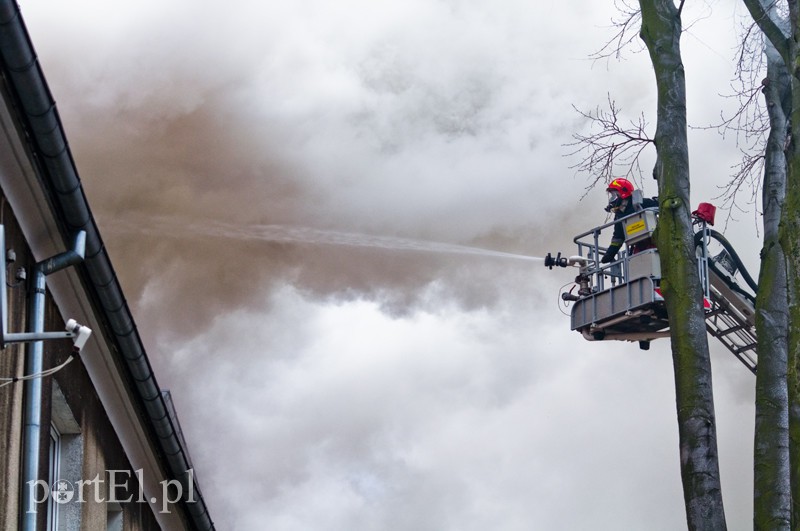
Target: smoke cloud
{"points": [[276, 183]]}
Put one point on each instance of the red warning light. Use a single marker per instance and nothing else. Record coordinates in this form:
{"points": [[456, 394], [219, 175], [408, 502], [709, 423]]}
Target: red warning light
{"points": [[705, 212]]}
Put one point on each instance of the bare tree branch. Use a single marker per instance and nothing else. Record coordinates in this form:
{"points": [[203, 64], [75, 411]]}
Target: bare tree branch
{"points": [[613, 149], [627, 32], [611, 146], [749, 123], [774, 33]]}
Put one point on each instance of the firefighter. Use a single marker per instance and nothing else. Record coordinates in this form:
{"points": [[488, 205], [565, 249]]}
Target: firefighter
{"points": [[621, 204]]}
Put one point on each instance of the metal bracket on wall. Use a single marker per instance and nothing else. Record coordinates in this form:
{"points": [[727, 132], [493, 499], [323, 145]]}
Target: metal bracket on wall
{"points": [[80, 334]]}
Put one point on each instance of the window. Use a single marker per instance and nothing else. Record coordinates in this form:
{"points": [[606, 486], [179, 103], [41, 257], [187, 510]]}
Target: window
{"points": [[66, 464], [113, 516], [52, 477]]}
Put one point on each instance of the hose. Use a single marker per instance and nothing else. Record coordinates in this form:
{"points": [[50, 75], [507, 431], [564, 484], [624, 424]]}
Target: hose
{"points": [[698, 240]]}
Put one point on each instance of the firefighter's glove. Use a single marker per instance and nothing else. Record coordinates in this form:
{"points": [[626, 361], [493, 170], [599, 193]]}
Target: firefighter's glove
{"points": [[611, 254]]}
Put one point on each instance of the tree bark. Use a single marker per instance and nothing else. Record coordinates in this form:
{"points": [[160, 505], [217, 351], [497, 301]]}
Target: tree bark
{"points": [[661, 31], [771, 488], [788, 237], [789, 228]]}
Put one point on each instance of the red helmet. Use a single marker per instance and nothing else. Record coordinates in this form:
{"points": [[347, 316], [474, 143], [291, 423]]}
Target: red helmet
{"points": [[618, 191], [622, 186]]}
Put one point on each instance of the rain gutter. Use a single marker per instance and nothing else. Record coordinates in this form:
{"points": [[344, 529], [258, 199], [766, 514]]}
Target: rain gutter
{"points": [[59, 178]]}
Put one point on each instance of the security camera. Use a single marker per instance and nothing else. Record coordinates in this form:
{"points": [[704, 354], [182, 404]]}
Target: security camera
{"points": [[81, 332]]}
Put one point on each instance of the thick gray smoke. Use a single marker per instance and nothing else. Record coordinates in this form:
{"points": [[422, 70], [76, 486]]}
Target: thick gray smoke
{"points": [[327, 385]]}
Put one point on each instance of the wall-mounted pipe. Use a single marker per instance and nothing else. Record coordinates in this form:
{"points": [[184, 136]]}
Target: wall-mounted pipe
{"points": [[33, 365]]}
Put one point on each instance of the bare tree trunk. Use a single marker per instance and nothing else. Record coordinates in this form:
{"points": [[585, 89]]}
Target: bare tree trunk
{"points": [[786, 45], [661, 31], [789, 233], [771, 488]]}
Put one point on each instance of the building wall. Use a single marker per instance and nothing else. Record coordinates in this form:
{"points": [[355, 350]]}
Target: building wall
{"points": [[11, 364], [89, 447]]}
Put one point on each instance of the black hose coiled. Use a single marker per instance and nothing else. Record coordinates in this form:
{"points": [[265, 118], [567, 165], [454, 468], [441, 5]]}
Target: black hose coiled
{"points": [[698, 240]]}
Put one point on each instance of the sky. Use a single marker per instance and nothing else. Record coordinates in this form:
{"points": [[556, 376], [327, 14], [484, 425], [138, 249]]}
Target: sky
{"points": [[296, 196]]}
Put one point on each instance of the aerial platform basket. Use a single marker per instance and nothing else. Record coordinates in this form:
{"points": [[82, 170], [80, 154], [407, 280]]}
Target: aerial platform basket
{"points": [[622, 300]]}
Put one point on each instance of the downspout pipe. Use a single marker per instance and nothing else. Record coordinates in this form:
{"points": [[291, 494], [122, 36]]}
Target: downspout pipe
{"points": [[59, 177], [31, 444]]}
